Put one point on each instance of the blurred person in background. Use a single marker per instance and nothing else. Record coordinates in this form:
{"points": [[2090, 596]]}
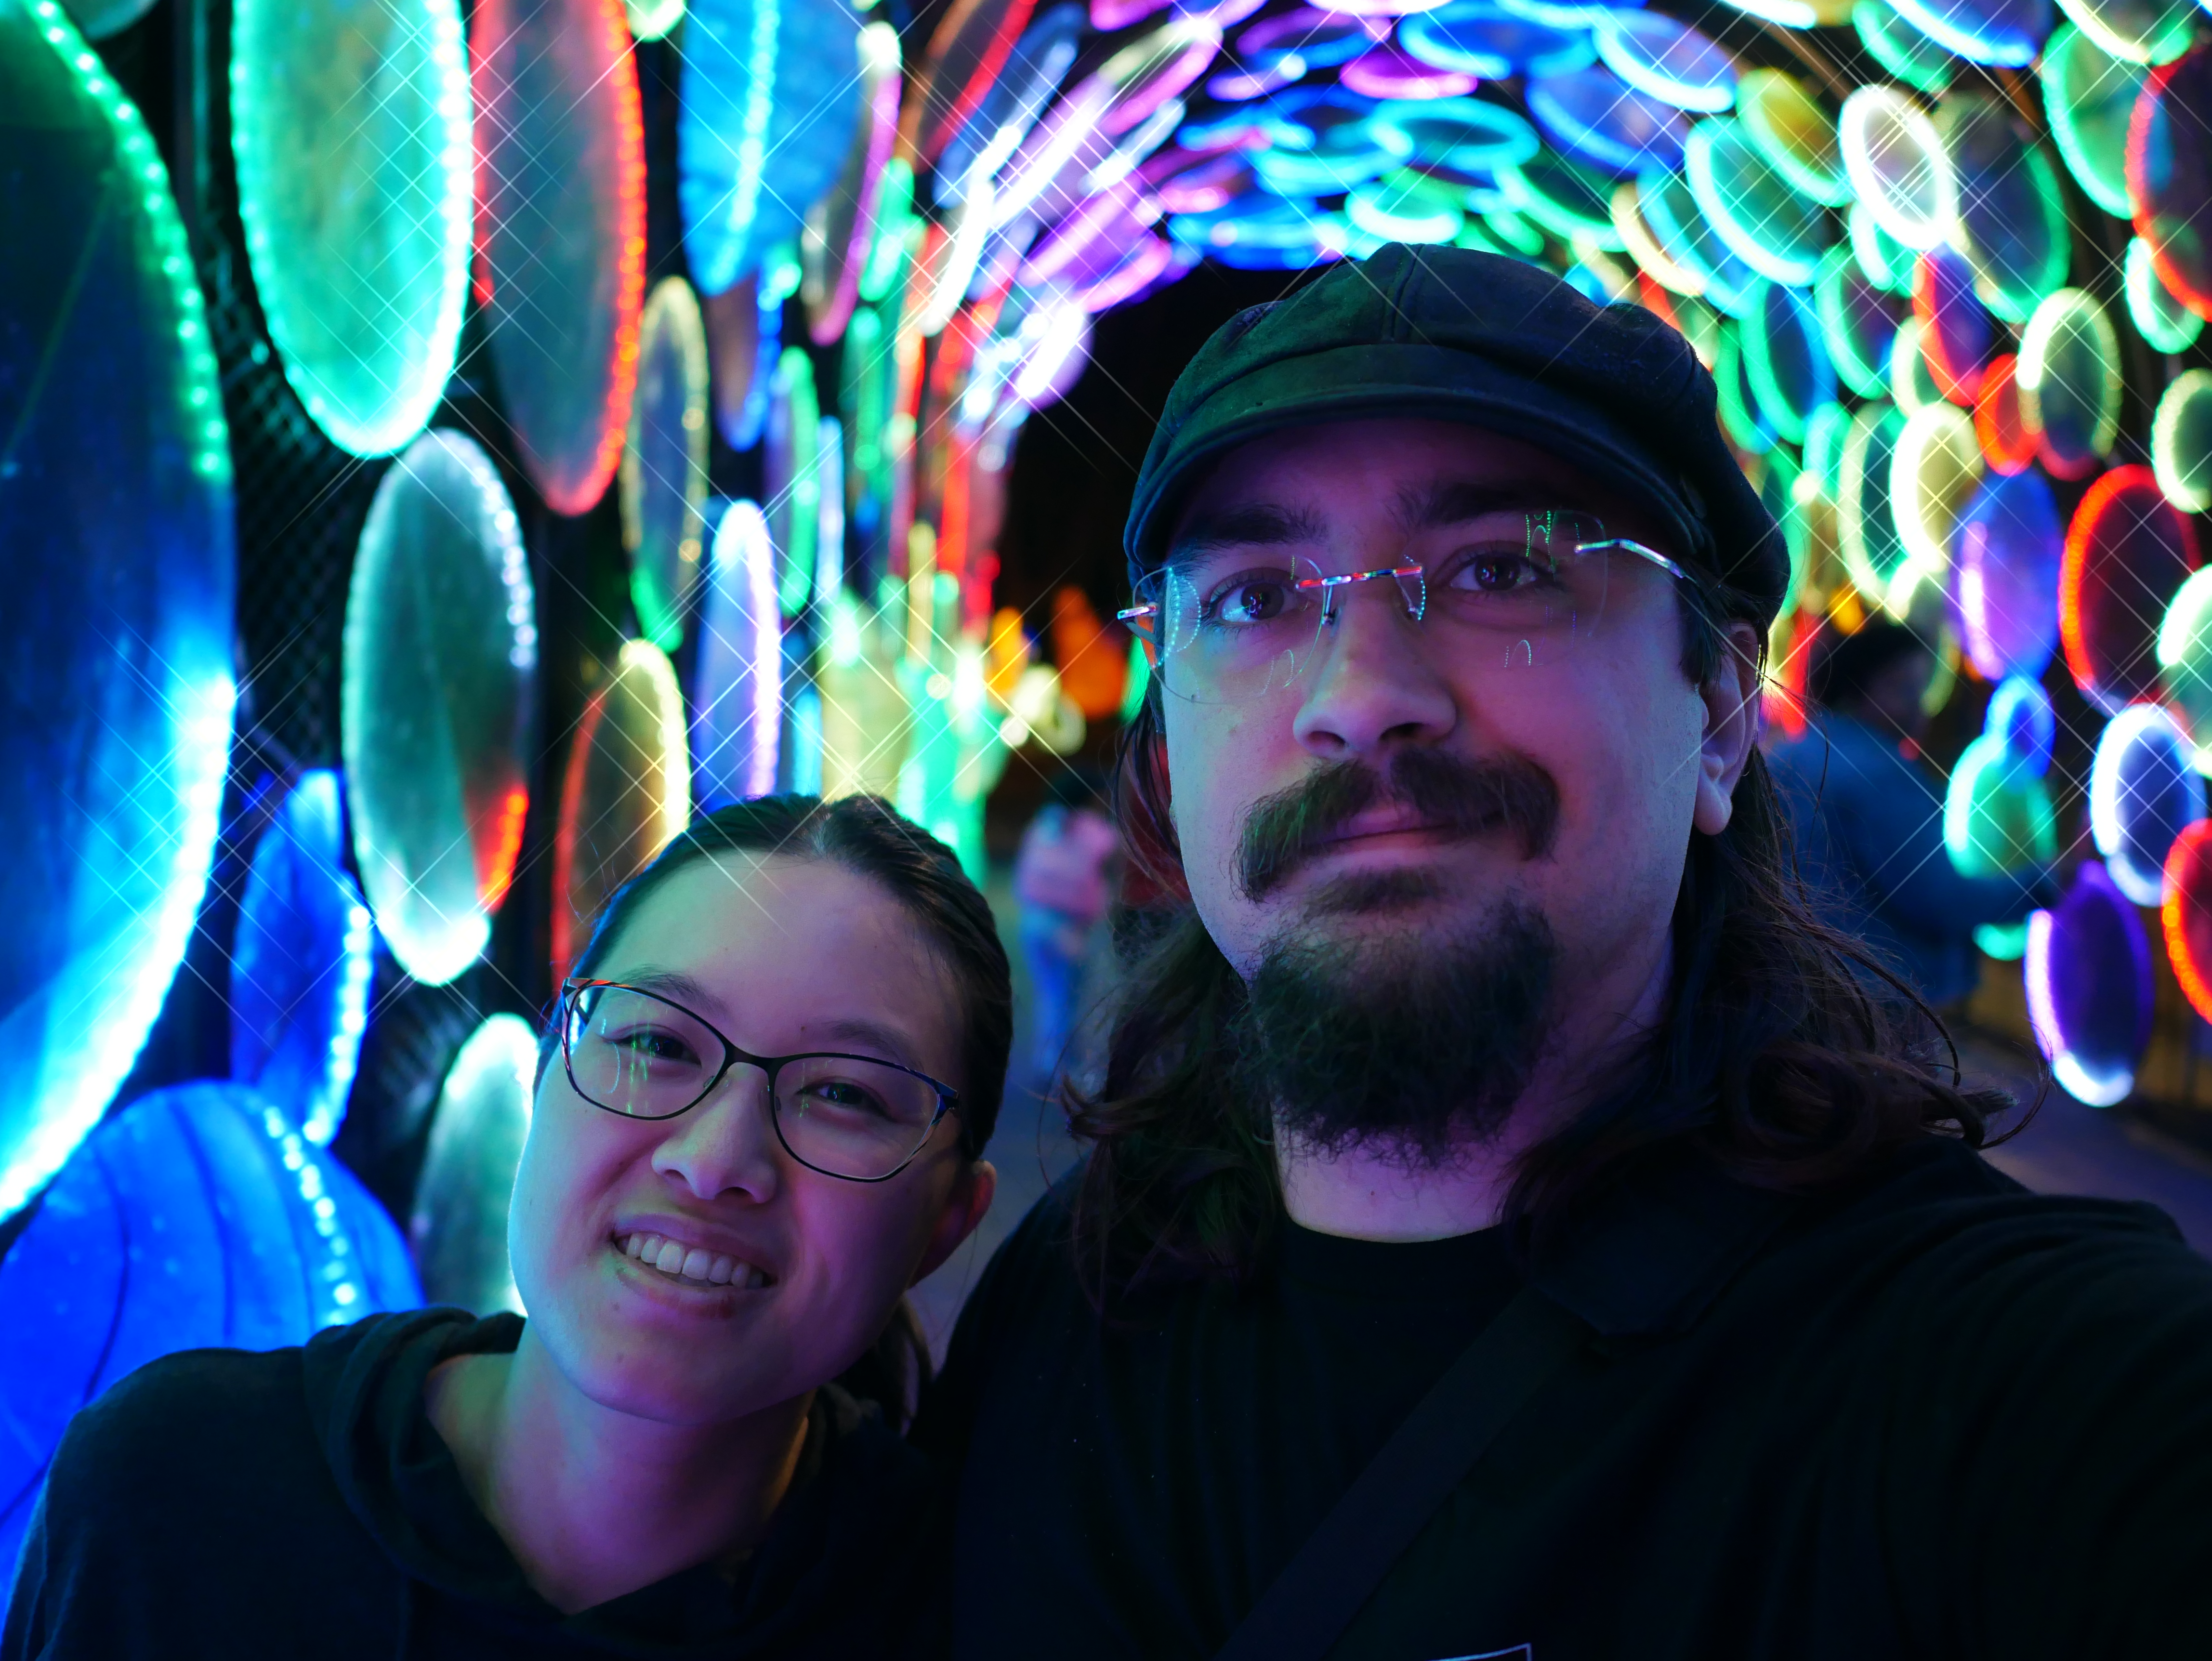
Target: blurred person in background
{"points": [[1867, 811], [1063, 883]]}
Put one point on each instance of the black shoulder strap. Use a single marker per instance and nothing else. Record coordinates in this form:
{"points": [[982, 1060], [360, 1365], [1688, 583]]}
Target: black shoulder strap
{"points": [[1345, 1559]]}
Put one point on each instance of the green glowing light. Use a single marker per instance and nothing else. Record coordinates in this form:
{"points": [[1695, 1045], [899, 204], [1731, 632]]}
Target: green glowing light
{"points": [[1881, 258], [2088, 96], [1911, 381], [1739, 411], [1997, 815], [1874, 554], [2185, 660], [651, 20], [2012, 218], [1388, 209], [1858, 322], [1684, 232], [349, 128], [664, 465], [1515, 234], [1899, 168], [895, 217], [2158, 314], [1766, 222], [1572, 202], [794, 503], [2181, 441], [1784, 360], [1825, 435], [1906, 53], [1934, 469], [2136, 31], [2069, 380], [2005, 942], [1793, 133]]}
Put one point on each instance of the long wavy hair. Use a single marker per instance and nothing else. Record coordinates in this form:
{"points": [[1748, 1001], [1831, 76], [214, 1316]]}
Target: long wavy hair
{"points": [[1789, 1055]]}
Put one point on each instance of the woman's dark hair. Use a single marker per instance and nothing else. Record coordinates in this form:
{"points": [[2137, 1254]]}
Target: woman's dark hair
{"points": [[866, 836], [1844, 666], [1788, 1056]]}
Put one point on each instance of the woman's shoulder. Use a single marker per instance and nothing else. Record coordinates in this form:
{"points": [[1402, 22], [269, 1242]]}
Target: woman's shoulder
{"points": [[187, 1413]]}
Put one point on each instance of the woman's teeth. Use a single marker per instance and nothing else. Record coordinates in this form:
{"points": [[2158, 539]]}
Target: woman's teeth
{"points": [[694, 1266]]}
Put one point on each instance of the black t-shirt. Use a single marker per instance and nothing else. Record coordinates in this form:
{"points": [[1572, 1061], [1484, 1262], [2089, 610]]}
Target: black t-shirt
{"points": [[1933, 1415]]}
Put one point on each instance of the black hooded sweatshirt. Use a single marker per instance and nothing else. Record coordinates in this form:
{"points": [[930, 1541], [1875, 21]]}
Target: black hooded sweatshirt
{"points": [[233, 1505]]}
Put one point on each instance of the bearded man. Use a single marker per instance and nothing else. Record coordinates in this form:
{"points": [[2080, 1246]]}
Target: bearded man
{"points": [[1513, 1225]]}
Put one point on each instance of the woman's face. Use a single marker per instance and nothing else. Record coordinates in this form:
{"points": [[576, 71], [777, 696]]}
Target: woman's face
{"points": [[782, 956]]}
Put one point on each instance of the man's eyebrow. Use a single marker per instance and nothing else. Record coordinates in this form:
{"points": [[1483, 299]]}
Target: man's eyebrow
{"points": [[1247, 524], [1446, 502]]}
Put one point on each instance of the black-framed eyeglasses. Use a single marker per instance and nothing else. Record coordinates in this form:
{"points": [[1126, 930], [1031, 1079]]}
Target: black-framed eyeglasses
{"points": [[644, 1057]]}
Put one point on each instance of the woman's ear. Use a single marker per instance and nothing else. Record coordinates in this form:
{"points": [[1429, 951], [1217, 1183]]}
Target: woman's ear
{"points": [[1734, 717], [964, 1209]]}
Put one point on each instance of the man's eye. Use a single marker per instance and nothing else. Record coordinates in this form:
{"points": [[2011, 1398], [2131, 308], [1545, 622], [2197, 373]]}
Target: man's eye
{"points": [[1499, 571], [1258, 597]]}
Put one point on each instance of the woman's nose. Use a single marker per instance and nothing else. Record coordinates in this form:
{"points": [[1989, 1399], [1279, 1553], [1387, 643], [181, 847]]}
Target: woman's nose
{"points": [[728, 1144]]}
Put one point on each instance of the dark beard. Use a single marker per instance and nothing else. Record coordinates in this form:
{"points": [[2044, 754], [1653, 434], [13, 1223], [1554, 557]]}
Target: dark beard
{"points": [[1408, 1042]]}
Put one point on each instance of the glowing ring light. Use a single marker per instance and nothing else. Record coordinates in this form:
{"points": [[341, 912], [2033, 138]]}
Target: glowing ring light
{"points": [[2128, 552], [1590, 114], [2185, 660], [1874, 554], [1320, 40], [1881, 258], [2069, 381], [651, 20], [1040, 61], [1462, 133], [839, 233], [2088, 972], [2165, 323], [458, 1226], [2005, 557], [1659, 55], [2012, 217], [2186, 915], [438, 687], [1911, 381], [2136, 31], [2004, 33], [196, 1216], [1858, 323], [1740, 417], [737, 692], [1793, 133], [1400, 215], [1493, 44], [1785, 360], [1765, 223], [794, 491], [2089, 97], [350, 126], [1643, 244], [1154, 68], [1997, 816], [299, 964], [1391, 71], [1897, 166], [1934, 470], [664, 470], [2181, 441], [1211, 184], [2170, 175], [2008, 443], [97, 19], [2020, 713], [1825, 435], [1673, 217], [1902, 49], [562, 174], [2144, 790], [744, 339], [1572, 202], [1956, 333], [967, 52], [122, 593], [625, 794]]}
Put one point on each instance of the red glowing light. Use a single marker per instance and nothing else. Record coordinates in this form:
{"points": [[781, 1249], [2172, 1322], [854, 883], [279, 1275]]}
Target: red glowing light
{"points": [[2168, 190], [1954, 330], [2127, 550], [2186, 913], [2000, 423]]}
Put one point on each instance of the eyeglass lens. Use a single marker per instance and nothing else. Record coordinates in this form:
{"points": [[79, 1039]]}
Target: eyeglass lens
{"points": [[1517, 591], [641, 1055]]}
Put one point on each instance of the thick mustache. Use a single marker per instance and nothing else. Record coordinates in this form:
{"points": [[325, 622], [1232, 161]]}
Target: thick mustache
{"points": [[1508, 792]]}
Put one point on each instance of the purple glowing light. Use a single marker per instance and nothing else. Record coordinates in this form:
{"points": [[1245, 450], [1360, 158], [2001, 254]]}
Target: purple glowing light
{"points": [[2087, 975], [1391, 71]]}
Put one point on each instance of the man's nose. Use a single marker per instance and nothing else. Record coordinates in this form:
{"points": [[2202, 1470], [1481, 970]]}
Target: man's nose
{"points": [[1370, 684]]}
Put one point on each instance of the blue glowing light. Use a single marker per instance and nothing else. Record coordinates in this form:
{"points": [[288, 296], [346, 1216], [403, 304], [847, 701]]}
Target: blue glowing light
{"points": [[1467, 135], [1690, 240], [1592, 116], [1767, 221], [2145, 791], [1785, 360], [2004, 33], [2005, 555], [1668, 59], [736, 694], [116, 516], [195, 1216], [2020, 716], [300, 967], [1486, 40], [2089, 989]]}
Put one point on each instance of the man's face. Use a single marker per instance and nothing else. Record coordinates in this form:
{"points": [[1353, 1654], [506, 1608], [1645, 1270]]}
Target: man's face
{"points": [[1557, 794]]}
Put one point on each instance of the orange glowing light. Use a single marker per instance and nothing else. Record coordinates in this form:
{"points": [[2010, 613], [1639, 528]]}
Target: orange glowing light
{"points": [[630, 290], [2186, 913], [2008, 443], [498, 845]]}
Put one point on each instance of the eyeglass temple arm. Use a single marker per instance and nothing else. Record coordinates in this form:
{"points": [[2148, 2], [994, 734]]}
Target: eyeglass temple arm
{"points": [[1641, 550]]}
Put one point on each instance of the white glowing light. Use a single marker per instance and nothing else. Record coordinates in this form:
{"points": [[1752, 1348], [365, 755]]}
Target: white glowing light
{"points": [[2137, 872]]}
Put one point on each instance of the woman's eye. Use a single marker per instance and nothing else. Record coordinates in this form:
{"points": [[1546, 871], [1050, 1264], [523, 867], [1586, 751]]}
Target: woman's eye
{"points": [[653, 1045], [838, 1093], [1256, 597]]}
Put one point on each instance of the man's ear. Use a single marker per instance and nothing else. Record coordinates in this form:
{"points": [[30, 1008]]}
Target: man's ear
{"points": [[964, 1209], [1734, 715]]}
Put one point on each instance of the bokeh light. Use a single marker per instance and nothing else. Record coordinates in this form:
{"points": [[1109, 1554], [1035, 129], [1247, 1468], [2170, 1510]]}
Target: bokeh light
{"points": [[458, 1225], [2089, 989], [2128, 552]]}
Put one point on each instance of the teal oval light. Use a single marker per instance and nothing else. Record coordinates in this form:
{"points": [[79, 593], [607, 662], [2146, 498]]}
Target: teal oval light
{"points": [[1740, 417], [2069, 381], [458, 1226], [664, 469], [2012, 218], [1766, 223], [1791, 130], [2088, 96], [1886, 261], [2136, 31], [1997, 814], [1899, 167], [1874, 553], [2155, 310], [794, 487], [1786, 361], [2181, 441], [116, 516], [1858, 323], [2004, 33], [1572, 202], [1687, 237], [651, 20], [436, 693], [350, 129], [1907, 54]]}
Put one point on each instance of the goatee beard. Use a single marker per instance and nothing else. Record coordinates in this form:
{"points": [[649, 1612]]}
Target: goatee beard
{"points": [[1409, 1044]]}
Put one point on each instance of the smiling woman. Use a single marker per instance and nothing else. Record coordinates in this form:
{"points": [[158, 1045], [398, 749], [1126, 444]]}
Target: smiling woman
{"points": [[756, 1122]]}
